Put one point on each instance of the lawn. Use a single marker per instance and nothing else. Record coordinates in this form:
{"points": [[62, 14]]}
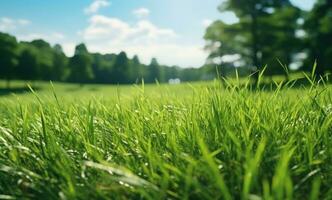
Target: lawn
{"points": [[187, 141]]}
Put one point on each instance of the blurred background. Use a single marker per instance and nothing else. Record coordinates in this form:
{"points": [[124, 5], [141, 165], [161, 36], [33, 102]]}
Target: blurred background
{"points": [[173, 41]]}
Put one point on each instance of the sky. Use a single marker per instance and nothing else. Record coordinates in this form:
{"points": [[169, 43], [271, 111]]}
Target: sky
{"points": [[170, 30]]}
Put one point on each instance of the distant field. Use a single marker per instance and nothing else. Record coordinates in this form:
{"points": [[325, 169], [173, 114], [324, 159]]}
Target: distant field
{"points": [[20, 90], [187, 141]]}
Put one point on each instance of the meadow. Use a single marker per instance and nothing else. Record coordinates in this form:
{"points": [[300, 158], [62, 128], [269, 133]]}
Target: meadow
{"points": [[188, 141]]}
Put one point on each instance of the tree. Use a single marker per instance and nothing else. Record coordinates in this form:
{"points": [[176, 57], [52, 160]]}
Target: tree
{"points": [[137, 70], [171, 72], [45, 58], [8, 57], [250, 38], [38, 60], [120, 72], [154, 71], [29, 66], [60, 62], [318, 27], [102, 67], [280, 41], [81, 65]]}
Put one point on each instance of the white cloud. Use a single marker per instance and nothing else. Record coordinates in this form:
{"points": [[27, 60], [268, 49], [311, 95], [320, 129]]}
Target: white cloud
{"points": [[105, 34], [207, 22], [96, 5], [8, 24], [23, 22], [141, 12], [170, 54], [112, 35], [115, 30]]}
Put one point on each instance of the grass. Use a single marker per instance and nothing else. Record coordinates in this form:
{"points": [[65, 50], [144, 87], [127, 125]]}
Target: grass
{"points": [[198, 141]]}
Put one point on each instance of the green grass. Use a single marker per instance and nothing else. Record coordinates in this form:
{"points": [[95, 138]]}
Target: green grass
{"points": [[189, 141]]}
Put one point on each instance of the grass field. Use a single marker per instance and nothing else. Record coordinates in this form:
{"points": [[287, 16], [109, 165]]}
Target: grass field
{"points": [[188, 141]]}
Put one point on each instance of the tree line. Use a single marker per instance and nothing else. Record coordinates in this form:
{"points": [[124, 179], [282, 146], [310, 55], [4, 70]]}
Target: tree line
{"points": [[275, 34], [38, 60]]}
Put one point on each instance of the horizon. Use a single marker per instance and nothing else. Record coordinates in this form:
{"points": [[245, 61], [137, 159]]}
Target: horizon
{"points": [[171, 31]]}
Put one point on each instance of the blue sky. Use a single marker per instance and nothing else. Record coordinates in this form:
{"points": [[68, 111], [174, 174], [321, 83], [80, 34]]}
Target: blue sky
{"points": [[170, 30]]}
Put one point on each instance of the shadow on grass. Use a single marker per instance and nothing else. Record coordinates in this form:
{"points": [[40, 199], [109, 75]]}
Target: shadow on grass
{"points": [[16, 90], [270, 86], [82, 87], [301, 83]]}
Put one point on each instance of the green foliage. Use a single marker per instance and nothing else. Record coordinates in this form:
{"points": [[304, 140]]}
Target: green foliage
{"points": [[138, 70], [60, 63], [80, 65], [120, 69], [154, 70], [318, 26], [38, 60], [8, 56], [199, 141], [264, 33], [45, 58], [29, 67]]}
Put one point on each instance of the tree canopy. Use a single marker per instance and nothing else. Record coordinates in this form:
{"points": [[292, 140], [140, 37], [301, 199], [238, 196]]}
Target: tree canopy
{"points": [[272, 33], [265, 33], [38, 60], [8, 58], [318, 39]]}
